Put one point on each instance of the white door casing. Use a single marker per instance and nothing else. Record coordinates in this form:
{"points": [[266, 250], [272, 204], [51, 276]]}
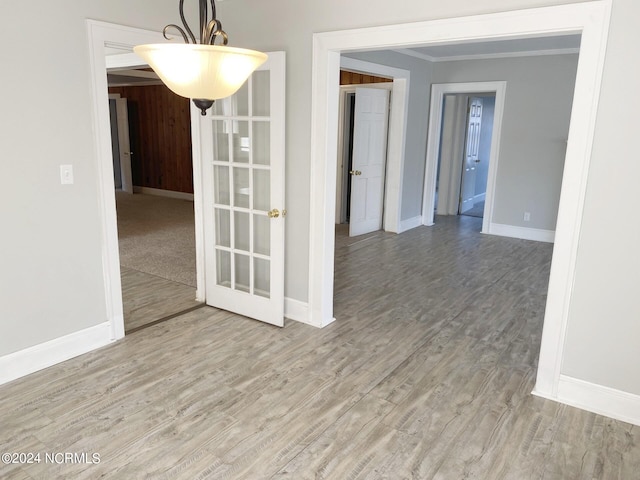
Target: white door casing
{"points": [[369, 160], [471, 156], [242, 150]]}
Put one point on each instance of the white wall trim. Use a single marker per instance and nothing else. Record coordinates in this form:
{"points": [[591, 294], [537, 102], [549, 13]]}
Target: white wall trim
{"points": [[410, 223], [32, 359], [489, 56], [158, 192], [591, 19], [198, 202], [524, 233], [598, 399]]}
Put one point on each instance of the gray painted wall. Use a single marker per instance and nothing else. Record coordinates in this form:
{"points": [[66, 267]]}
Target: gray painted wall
{"points": [[51, 273], [51, 278], [604, 326], [535, 127]]}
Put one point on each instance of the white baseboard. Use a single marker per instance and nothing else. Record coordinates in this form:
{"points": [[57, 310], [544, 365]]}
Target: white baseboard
{"points": [[38, 357], [522, 232], [481, 197], [163, 193], [299, 311], [598, 399], [410, 223]]}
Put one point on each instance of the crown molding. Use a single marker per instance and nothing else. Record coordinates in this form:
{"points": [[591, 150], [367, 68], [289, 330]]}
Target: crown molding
{"points": [[488, 56]]}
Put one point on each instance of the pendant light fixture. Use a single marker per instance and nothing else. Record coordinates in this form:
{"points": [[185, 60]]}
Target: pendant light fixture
{"points": [[201, 70]]}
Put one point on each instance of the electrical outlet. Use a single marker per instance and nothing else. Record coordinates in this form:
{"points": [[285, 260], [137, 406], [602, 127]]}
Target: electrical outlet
{"points": [[66, 174], [527, 216]]}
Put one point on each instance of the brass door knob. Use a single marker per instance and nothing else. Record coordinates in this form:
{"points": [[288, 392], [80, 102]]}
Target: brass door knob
{"points": [[275, 213], [355, 172]]}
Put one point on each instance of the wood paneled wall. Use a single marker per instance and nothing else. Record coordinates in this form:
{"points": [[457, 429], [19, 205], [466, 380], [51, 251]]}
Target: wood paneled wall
{"points": [[160, 130], [352, 78]]}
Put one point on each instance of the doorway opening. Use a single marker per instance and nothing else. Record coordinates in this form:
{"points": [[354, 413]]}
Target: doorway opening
{"points": [[589, 20], [467, 125], [362, 151], [153, 179], [111, 48]]}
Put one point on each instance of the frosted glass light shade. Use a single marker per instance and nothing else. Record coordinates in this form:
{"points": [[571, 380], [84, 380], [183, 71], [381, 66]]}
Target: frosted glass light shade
{"points": [[201, 71]]}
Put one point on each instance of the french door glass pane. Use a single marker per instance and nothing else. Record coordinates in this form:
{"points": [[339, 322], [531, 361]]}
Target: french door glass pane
{"points": [[241, 187], [262, 234], [242, 237], [223, 268], [243, 274], [261, 190], [221, 184], [261, 143], [261, 94], [223, 228], [261, 277], [241, 144], [220, 141]]}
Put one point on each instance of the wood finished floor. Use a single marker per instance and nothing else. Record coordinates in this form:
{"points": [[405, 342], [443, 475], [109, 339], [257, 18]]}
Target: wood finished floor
{"points": [[426, 373], [148, 298]]}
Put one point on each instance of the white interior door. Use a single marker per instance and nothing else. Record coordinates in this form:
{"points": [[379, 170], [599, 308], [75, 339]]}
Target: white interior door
{"points": [[369, 159], [243, 176], [471, 158], [122, 114]]}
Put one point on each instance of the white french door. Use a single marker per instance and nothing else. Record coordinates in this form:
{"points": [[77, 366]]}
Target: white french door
{"points": [[472, 158], [242, 145], [369, 160]]}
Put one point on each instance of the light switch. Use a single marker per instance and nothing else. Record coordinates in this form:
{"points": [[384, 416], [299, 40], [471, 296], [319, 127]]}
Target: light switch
{"points": [[66, 174]]}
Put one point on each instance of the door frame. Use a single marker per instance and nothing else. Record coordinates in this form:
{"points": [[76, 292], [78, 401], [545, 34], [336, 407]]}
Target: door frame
{"points": [[591, 19], [438, 91], [109, 37]]}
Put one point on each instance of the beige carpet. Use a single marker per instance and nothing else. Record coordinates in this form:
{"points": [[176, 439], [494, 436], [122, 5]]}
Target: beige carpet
{"points": [[157, 236]]}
